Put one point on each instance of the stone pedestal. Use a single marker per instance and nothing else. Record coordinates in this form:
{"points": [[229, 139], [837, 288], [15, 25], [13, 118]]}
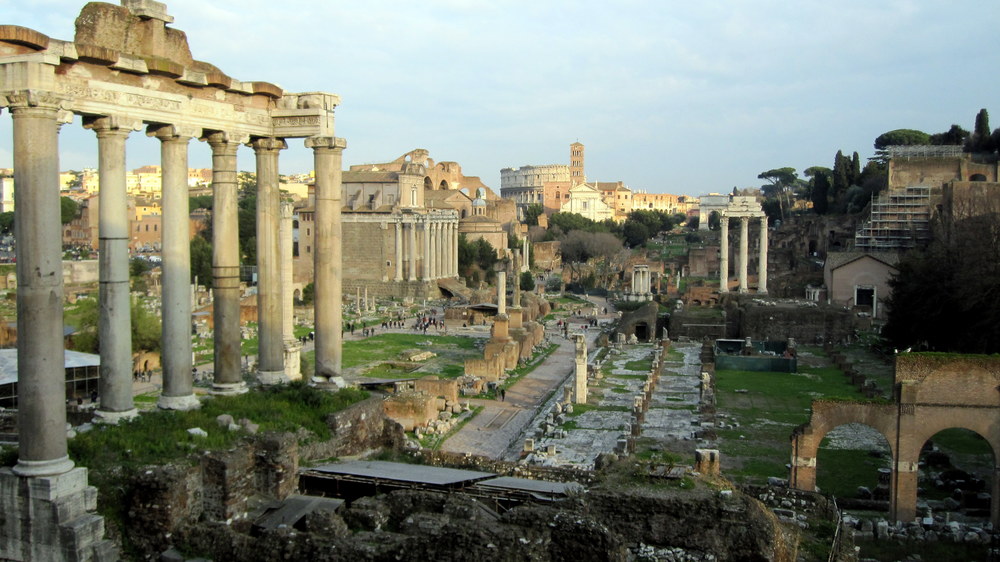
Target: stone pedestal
{"points": [[51, 518]]}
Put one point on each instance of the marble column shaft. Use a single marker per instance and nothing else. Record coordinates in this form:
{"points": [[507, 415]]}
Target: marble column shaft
{"points": [[399, 252], [434, 247], [425, 266], [411, 251], [744, 241], [114, 325], [270, 355], [724, 255], [501, 292], [328, 257], [454, 249], [178, 386], [228, 376], [762, 263], [41, 385], [285, 246]]}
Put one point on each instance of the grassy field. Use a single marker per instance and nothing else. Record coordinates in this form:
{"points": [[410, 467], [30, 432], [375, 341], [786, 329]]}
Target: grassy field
{"points": [[767, 407], [370, 356]]}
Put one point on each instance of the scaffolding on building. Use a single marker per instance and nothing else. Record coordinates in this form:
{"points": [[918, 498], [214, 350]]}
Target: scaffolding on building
{"points": [[899, 220]]}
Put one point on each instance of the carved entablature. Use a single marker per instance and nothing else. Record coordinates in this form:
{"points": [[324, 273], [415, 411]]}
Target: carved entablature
{"points": [[742, 206], [144, 71]]}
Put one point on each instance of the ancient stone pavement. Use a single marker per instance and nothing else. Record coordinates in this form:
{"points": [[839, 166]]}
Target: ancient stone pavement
{"points": [[497, 430]]}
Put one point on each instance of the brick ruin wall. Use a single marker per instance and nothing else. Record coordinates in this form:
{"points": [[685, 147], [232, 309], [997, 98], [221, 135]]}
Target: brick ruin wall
{"points": [[220, 484]]}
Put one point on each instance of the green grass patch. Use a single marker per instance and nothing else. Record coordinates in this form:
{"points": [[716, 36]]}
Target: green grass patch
{"points": [[620, 390], [385, 347], [768, 407], [642, 365], [628, 376], [840, 471]]}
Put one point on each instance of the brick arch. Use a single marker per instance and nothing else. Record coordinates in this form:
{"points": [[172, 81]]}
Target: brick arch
{"points": [[933, 392], [827, 416]]}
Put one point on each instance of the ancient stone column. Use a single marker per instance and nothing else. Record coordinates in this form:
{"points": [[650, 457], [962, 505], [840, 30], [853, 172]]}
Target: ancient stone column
{"points": [[425, 263], [580, 370], [228, 376], [526, 265], [454, 249], [114, 325], [327, 155], [270, 356], [41, 384], [411, 251], [762, 259], [399, 252], [435, 258], [501, 292], [178, 386], [744, 241], [724, 255], [289, 343]]}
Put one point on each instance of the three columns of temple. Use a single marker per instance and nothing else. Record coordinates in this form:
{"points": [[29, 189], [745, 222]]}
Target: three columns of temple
{"points": [[743, 257], [434, 245]]}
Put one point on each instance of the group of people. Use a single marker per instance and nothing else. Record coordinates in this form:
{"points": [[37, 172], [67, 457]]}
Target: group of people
{"points": [[423, 323]]}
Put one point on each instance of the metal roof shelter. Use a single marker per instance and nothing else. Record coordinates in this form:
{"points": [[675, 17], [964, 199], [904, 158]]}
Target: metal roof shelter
{"points": [[355, 479]]}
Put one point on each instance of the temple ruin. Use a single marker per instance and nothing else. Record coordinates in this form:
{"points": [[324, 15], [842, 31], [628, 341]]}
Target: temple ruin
{"points": [[127, 70]]}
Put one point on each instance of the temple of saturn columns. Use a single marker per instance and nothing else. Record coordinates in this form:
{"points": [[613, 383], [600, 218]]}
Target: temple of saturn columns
{"points": [[743, 208], [125, 71]]}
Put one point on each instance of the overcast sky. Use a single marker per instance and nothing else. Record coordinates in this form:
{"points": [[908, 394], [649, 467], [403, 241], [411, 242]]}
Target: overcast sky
{"points": [[674, 97]]}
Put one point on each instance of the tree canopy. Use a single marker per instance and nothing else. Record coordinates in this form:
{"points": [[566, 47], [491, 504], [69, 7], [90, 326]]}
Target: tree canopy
{"points": [[902, 137]]}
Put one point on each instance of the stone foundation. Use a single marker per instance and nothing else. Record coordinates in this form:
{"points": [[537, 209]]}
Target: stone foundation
{"points": [[51, 518]]}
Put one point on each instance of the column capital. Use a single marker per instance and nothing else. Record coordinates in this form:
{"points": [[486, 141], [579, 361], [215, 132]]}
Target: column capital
{"points": [[225, 137], [330, 143], [111, 124], [267, 144], [173, 132], [20, 99]]}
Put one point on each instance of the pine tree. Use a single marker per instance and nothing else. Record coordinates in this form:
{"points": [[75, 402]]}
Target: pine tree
{"points": [[855, 169]]}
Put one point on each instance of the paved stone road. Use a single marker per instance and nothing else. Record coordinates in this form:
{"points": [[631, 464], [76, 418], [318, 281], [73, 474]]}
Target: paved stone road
{"points": [[501, 424]]}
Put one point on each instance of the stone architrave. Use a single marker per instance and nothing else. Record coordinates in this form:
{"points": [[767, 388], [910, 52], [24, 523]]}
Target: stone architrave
{"points": [[114, 325], [228, 373], [270, 353], [580, 370], [178, 383]]}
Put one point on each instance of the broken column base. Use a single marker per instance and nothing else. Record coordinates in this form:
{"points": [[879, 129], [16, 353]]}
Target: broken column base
{"points": [[293, 366], [331, 384], [229, 388], [272, 377], [182, 403], [112, 418], [51, 518]]}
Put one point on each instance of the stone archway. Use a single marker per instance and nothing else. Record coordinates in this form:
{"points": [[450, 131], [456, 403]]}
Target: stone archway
{"points": [[933, 392], [958, 466]]}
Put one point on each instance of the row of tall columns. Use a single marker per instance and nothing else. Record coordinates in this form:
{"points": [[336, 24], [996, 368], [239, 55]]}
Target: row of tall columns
{"points": [[743, 256], [436, 251], [41, 358]]}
